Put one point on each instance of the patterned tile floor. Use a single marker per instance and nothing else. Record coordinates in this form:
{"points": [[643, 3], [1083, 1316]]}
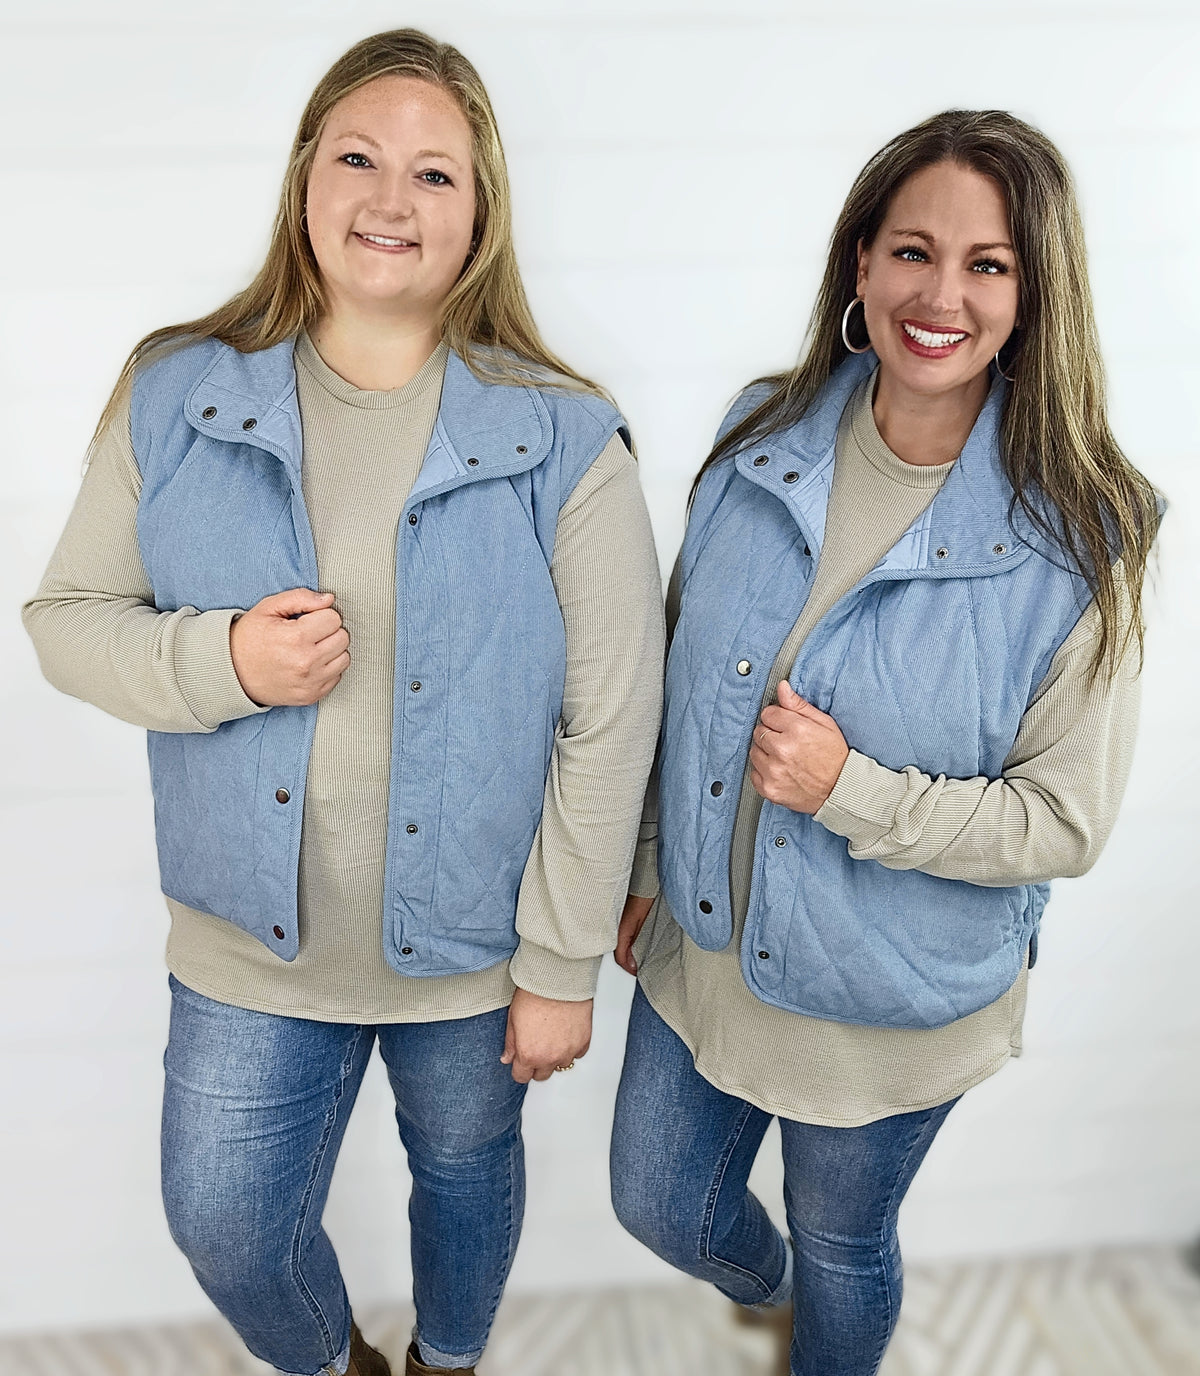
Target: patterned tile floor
{"points": [[1110, 1313]]}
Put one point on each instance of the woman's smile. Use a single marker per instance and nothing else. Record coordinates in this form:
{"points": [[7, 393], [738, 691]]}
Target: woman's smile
{"points": [[931, 341]]}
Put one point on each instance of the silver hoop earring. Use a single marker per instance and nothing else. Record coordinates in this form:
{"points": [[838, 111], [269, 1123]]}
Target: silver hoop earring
{"points": [[846, 321], [1008, 377], [304, 222]]}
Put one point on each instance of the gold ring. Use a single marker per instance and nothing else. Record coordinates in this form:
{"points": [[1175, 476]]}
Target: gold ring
{"points": [[569, 1066]]}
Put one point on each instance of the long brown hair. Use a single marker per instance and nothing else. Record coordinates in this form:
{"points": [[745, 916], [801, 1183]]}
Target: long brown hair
{"points": [[1067, 471], [487, 305]]}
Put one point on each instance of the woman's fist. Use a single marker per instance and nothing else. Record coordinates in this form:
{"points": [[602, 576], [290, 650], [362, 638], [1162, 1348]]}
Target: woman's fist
{"points": [[797, 753], [290, 649]]}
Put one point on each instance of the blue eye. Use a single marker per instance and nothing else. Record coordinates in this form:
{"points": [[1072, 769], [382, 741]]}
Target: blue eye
{"points": [[990, 267], [432, 173], [359, 160], [918, 255]]}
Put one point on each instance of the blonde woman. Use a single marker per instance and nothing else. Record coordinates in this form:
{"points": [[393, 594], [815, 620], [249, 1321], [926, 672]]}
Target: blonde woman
{"points": [[374, 569], [901, 697]]}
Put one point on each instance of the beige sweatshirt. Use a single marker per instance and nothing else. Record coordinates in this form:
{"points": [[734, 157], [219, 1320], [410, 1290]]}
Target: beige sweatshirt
{"points": [[99, 637], [1048, 815]]}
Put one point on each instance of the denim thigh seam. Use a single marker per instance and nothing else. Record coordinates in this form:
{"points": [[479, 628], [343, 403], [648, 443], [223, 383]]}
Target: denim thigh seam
{"points": [[510, 1230], [310, 1188], [710, 1206]]}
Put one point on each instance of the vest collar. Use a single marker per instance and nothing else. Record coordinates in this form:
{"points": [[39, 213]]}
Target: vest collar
{"points": [[483, 430], [965, 531]]}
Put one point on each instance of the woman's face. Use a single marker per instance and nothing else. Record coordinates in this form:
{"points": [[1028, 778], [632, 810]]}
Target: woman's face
{"points": [[939, 283], [391, 198]]}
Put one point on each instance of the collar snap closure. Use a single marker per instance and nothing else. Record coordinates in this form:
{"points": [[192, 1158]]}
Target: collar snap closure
{"points": [[943, 552], [790, 477], [762, 459], [249, 424], [522, 449], [209, 412], [999, 549]]}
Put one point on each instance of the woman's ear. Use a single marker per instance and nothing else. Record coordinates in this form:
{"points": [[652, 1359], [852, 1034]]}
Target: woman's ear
{"points": [[862, 268]]}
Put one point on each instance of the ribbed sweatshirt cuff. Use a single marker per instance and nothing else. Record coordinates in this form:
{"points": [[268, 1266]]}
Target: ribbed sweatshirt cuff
{"points": [[204, 669], [643, 878], [553, 976], [864, 801]]}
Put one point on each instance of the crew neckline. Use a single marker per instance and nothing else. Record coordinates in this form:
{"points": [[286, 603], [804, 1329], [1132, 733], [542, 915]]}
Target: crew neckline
{"points": [[429, 375], [871, 444]]}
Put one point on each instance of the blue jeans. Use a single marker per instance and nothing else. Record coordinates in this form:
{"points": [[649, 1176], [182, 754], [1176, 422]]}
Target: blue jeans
{"points": [[253, 1116], [681, 1156]]}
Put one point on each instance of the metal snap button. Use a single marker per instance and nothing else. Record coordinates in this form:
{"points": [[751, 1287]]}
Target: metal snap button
{"points": [[411, 828], [781, 840], [790, 477], [415, 685], [705, 906], [717, 788], [249, 424], [282, 795], [762, 458], [999, 549], [744, 666], [412, 520], [941, 554], [278, 933], [521, 449], [764, 955], [209, 412], [406, 950], [473, 463]]}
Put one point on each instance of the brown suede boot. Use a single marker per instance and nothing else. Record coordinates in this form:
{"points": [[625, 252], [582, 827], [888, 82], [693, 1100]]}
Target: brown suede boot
{"points": [[414, 1366], [364, 1360]]}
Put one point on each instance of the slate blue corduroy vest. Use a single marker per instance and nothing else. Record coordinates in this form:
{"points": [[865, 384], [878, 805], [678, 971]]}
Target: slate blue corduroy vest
{"points": [[222, 523], [930, 661]]}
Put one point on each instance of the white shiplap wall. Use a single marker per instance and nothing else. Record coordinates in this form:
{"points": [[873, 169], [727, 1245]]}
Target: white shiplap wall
{"points": [[677, 167]]}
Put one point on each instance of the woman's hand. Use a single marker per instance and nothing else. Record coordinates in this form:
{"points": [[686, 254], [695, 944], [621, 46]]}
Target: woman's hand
{"points": [[633, 919], [545, 1035], [290, 649], [797, 753]]}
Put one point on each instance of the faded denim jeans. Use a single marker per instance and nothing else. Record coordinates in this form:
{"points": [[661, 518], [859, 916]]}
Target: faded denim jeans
{"points": [[681, 1157], [254, 1113]]}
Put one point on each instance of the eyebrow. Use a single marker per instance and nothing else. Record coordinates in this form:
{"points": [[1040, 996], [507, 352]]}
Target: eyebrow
{"points": [[975, 248]]}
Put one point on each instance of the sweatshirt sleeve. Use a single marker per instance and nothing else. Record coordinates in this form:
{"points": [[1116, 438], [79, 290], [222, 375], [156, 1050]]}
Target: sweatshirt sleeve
{"points": [[1046, 817], [605, 573], [643, 881], [95, 627]]}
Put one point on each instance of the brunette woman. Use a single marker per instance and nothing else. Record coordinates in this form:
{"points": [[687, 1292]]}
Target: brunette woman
{"points": [[373, 567], [901, 697]]}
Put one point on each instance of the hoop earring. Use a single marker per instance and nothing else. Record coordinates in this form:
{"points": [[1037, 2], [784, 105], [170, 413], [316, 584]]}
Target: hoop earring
{"points": [[1008, 377], [304, 222], [846, 321]]}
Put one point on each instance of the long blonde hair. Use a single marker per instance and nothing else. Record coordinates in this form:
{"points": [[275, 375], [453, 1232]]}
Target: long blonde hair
{"points": [[1067, 471], [486, 307]]}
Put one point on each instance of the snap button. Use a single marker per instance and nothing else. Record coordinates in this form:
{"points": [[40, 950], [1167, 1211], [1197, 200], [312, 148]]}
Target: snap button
{"points": [[744, 666], [764, 955], [282, 795], [415, 685], [411, 828], [209, 412], [790, 477], [473, 463], [762, 458], [999, 549], [406, 950], [717, 788], [941, 554], [781, 840], [521, 449], [249, 424], [705, 906], [412, 520], [278, 932]]}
